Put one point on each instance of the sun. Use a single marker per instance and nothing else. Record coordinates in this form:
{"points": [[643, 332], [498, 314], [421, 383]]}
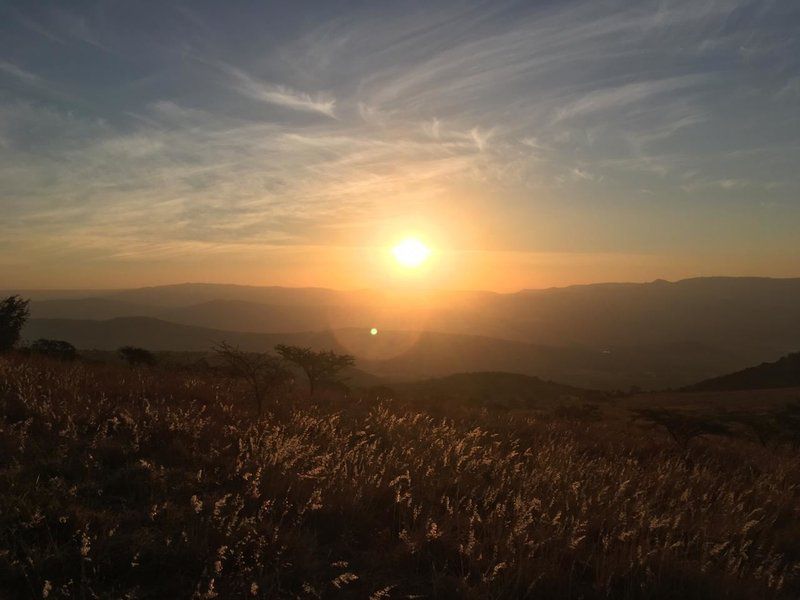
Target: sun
{"points": [[411, 253]]}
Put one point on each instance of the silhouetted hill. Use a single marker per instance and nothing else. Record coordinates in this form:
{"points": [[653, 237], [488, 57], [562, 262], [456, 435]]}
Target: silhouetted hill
{"points": [[156, 334], [90, 308], [752, 318], [196, 293], [784, 372], [404, 355], [653, 335], [233, 315], [752, 312], [291, 310]]}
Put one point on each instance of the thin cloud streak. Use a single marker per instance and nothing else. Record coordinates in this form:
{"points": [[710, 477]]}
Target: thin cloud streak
{"points": [[18, 73], [280, 95]]}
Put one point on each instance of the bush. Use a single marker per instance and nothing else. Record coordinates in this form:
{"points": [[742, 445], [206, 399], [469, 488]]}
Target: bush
{"points": [[58, 349], [137, 356], [683, 427], [13, 314]]}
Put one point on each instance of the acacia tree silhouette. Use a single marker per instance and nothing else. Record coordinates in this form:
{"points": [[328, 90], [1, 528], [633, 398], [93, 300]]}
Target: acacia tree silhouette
{"points": [[319, 367], [137, 356], [58, 349], [13, 314], [263, 373]]}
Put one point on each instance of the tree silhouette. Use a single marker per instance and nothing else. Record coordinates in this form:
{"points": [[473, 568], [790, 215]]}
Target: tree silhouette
{"points": [[680, 426], [13, 314], [54, 349], [137, 356], [319, 367], [263, 373]]}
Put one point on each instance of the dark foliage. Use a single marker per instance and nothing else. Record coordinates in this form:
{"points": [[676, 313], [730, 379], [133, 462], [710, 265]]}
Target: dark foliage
{"points": [[58, 349], [319, 366], [682, 427], [13, 314], [137, 356], [262, 372]]}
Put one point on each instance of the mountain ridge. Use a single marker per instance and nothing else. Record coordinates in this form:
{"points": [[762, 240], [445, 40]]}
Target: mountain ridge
{"points": [[782, 373], [413, 354], [93, 292]]}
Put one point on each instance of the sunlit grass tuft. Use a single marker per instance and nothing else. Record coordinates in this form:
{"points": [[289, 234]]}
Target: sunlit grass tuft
{"points": [[149, 484]]}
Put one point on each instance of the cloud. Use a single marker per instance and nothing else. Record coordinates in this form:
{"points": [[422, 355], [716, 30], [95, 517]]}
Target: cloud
{"points": [[580, 174], [18, 73], [480, 137], [388, 111], [433, 128], [621, 97], [281, 95]]}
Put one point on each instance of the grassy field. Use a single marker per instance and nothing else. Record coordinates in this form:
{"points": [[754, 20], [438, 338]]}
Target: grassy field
{"points": [[147, 483]]}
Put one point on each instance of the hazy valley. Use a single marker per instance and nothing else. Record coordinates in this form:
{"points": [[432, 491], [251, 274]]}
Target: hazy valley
{"points": [[609, 336]]}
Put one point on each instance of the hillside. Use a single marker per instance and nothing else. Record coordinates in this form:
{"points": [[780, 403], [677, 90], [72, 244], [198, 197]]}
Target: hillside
{"points": [[406, 355], [652, 335], [157, 334], [760, 317], [783, 373], [493, 390]]}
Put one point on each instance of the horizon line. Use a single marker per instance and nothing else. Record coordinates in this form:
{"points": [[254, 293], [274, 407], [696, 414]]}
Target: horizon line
{"points": [[392, 288]]}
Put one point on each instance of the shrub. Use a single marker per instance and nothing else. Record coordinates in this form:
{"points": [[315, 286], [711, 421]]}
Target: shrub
{"points": [[58, 349], [682, 427], [13, 314], [137, 356]]}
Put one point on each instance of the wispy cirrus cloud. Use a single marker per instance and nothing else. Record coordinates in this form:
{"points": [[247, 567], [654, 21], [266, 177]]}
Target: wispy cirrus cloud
{"points": [[19, 73], [621, 97], [281, 95], [263, 129]]}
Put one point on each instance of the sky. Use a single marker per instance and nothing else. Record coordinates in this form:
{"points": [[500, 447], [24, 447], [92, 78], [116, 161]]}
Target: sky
{"points": [[528, 144]]}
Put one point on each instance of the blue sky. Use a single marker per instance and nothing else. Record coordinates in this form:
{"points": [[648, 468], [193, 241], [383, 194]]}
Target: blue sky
{"points": [[530, 143]]}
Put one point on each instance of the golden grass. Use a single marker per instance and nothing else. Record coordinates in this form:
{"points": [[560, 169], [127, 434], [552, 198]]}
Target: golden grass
{"points": [[118, 483]]}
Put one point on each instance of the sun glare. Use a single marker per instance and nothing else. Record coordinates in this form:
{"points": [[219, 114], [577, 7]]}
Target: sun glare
{"points": [[411, 252]]}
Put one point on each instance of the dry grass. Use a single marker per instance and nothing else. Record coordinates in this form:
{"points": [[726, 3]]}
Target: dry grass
{"points": [[118, 483]]}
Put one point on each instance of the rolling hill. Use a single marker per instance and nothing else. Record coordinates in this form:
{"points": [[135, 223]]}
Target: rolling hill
{"points": [[783, 373], [756, 318], [653, 335], [493, 390], [406, 355]]}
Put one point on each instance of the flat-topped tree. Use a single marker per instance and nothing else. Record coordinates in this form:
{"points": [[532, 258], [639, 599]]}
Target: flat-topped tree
{"points": [[319, 366], [137, 356], [263, 373], [58, 349]]}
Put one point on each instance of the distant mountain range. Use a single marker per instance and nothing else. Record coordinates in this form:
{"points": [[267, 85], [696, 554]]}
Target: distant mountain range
{"points": [[652, 335], [404, 355], [783, 373], [756, 311]]}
